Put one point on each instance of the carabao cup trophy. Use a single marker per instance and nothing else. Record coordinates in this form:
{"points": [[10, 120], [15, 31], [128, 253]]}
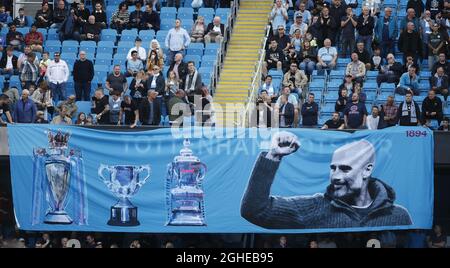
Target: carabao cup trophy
{"points": [[124, 182], [58, 176], [184, 189]]}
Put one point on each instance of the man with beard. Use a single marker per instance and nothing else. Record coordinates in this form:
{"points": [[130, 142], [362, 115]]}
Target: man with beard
{"points": [[353, 199]]}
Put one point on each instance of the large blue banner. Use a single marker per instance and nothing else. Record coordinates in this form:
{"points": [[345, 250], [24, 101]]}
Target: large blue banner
{"points": [[221, 180]]}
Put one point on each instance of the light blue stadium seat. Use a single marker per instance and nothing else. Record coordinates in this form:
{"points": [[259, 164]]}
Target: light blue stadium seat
{"points": [[166, 24], [105, 47], [168, 13], [88, 46], [195, 58], [14, 81], [387, 88], [70, 46], [84, 107], [120, 59], [185, 13], [211, 49], [207, 13], [335, 74], [108, 35]]}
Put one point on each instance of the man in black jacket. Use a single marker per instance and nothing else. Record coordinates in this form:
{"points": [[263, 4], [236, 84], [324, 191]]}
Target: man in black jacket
{"points": [[408, 113], [156, 81], [440, 83], [391, 72], [365, 26], [91, 30], [83, 73], [327, 27], [137, 16], [150, 109], [215, 31], [287, 112], [180, 69], [337, 12], [151, 19], [432, 110], [417, 5], [274, 58], [353, 199], [100, 15], [8, 63], [59, 14], [442, 62], [410, 43]]}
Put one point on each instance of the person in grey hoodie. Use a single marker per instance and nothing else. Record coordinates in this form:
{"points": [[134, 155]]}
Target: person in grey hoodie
{"points": [[353, 199]]}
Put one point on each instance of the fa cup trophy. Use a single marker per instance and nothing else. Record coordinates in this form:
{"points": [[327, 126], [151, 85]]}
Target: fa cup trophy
{"points": [[124, 182], [58, 177], [184, 189]]}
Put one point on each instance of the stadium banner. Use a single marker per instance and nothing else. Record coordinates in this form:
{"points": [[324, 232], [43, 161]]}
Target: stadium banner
{"points": [[199, 180]]}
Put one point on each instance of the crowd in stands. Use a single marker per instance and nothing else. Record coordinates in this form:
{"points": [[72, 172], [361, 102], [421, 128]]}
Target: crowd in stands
{"points": [[366, 64], [64, 54]]}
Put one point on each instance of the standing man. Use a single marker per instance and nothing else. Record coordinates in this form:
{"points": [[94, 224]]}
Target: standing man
{"points": [[25, 109], [366, 24], [386, 32], [389, 112], [83, 73], [408, 112], [374, 121], [355, 114], [57, 76], [150, 110], [177, 40], [116, 81], [287, 112], [348, 25], [432, 110], [310, 111]]}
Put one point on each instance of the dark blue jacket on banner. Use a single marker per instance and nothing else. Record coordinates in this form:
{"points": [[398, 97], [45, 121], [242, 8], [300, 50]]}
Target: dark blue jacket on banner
{"points": [[317, 211]]}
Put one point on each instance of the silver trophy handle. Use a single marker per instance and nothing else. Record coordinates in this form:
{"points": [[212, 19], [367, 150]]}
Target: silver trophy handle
{"points": [[202, 172], [141, 169], [100, 172]]}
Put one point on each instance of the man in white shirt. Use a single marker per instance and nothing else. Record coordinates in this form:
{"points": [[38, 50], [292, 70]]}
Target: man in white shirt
{"points": [[177, 40], [57, 76], [304, 12], [215, 31], [142, 54], [373, 120], [327, 56]]}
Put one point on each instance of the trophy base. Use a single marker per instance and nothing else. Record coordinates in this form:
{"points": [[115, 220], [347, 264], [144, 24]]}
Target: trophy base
{"points": [[57, 217], [186, 219], [123, 216]]}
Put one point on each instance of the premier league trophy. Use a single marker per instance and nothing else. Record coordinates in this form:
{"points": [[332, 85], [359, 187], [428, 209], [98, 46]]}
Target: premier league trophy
{"points": [[58, 177], [124, 182], [184, 189]]}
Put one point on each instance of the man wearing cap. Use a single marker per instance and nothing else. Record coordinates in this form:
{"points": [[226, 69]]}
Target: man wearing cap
{"points": [[142, 53], [57, 76], [300, 25]]}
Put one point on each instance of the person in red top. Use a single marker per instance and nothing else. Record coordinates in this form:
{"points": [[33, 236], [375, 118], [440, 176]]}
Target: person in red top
{"points": [[34, 39]]}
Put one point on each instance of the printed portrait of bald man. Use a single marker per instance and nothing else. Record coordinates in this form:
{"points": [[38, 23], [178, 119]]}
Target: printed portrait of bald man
{"points": [[353, 199]]}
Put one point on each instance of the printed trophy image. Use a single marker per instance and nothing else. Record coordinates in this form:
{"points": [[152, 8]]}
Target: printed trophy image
{"points": [[184, 188], [58, 174], [124, 181]]}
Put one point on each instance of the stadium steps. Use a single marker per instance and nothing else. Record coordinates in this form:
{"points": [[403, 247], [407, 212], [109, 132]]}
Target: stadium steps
{"points": [[239, 64]]}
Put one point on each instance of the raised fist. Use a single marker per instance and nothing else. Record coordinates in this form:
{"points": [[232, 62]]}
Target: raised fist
{"points": [[283, 143]]}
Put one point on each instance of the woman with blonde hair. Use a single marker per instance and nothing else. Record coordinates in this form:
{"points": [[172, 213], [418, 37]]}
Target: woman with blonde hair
{"points": [[155, 56], [198, 30]]}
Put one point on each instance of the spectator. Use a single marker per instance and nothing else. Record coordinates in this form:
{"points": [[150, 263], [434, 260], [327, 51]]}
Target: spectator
{"points": [[408, 112], [44, 16], [138, 87], [5, 110], [59, 14], [338, 9], [286, 113], [291, 57], [410, 62], [90, 242], [150, 109], [363, 54], [335, 122], [348, 24], [291, 99], [308, 58], [376, 61], [69, 29], [410, 43], [156, 82], [180, 68], [57, 76], [356, 69], [171, 87], [151, 19], [81, 15], [173, 3], [268, 87], [298, 25], [29, 71], [264, 110], [426, 25], [178, 108], [327, 56], [341, 102], [43, 64], [283, 41], [155, 56], [141, 52], [40, 118], [134, 65], [100, 107], [441, 63], [215, 31], [198, 30], [389, 112], [313, 244], [34, 39], [310, 111], [432, 113], [445, 125], [12, 93], [70, 106], [21, 20], [302, 11], [114, 108], [282, 242], [83, 73], [62, 118], [120, 18], [274, 57], [278, 16], [130, 109], [409, 81], [8, 63], [137, 16], [386, 32], [116, 81], [156, 5], [374, 121], [91, 30], [437, 238], [436, 45], [14, 38], [43, 99], [177, 40], [440, 83], [193, 81], [23, 56], [417, 6], [435, 7], [100, 15], [355, 114], [327, 27], [25, 109], [410, 17], [81, 119], [295, 79], [297, 41], [357, 88], [204, 113]]}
